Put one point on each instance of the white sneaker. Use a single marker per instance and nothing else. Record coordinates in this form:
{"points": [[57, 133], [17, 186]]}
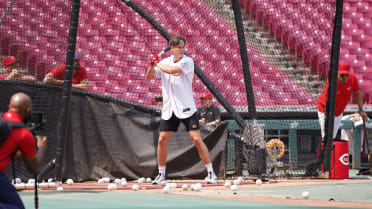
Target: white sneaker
{"points": [[211, 178], [160, 180]]}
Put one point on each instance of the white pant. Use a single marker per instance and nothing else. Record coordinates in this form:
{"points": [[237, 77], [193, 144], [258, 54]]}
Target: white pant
{"points": [[347, 135], [336, 124]]}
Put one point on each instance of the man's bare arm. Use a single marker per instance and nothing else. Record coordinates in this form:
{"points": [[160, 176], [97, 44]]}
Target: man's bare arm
{"points": [[170, 69], [82, 85], [50, 79], [33, 163], [150, 73]]}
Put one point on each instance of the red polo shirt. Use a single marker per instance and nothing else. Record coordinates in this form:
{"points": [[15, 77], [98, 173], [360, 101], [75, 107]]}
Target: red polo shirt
{"points": [[343, 95], [78, 76], [19, 139]]}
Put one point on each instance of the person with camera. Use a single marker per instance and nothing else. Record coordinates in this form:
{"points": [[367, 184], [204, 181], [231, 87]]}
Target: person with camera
{"points": [[19, 143]]}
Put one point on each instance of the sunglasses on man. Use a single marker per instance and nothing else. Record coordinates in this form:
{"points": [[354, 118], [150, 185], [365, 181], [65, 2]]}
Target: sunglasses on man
{"points": [[344, 75]]}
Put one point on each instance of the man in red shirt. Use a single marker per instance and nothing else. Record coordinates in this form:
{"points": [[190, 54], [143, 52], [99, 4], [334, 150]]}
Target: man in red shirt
{"points": [[347, 84], [13, 68], [22, 142], [79, 76]]}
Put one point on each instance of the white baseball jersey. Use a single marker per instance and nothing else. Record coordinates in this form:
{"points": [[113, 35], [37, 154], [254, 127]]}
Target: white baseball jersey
{"points": [[177, 89]]}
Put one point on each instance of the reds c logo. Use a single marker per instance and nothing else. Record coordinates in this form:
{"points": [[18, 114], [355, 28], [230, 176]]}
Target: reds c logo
{"points": [[344, 159]]}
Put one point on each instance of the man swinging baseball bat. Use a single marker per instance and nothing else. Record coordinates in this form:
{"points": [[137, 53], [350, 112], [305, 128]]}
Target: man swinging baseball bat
{"points": [[176, 73]]}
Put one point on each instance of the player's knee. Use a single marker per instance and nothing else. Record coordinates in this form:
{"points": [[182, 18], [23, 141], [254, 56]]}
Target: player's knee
{"points": [[163, 141], [197, 140]]}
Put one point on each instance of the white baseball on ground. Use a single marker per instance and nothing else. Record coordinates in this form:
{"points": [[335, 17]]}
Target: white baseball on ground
{"points": [[197, 187], [227, 184], [59, 188], [50, 180], [124, 183], [52, 184], [43, 185], [234, 188], [135, 187], [117, 181], [148, 180], [111, 187], [173, 185], [185, 187], [236, 182], [20, 186], [258, 181], [69, 181], [18, 180], [30, 185], [100, 181], [305, 195], [106, 179], [141, 180], [166, 189]]}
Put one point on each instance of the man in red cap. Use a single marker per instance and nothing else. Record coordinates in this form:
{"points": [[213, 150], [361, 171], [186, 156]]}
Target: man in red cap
{"points": [[13, 68], [79, 76], [209, 114], [347, 84]]}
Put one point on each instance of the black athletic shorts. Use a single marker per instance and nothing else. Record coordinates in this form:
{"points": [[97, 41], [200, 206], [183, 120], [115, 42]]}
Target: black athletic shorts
{"points": [[191, 123]]}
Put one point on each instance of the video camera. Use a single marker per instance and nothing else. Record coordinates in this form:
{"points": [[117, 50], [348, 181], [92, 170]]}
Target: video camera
{"points": [[35, 123]]}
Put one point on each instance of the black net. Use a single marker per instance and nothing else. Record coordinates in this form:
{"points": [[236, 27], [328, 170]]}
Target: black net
{"points": [[288, 47]]}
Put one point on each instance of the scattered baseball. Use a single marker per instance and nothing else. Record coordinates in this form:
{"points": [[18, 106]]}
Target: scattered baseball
{"points": [[123, 179], [59, 188], [148, 180], [173, 185], [197, 187], [166, 189], [117, 181], [185, 187], [31, 181], [100, 181], [227, 184], [124, 183], [18, 180], [106, 179], [241, 179], [192, 187], [236, 182], [234, 188], [20, 186], [43, 185], [258, 181], [52, 184], [30, 185], [111, 187], [305, 195], [141, 180], [135, 187], [50, 180], [69, 181]]}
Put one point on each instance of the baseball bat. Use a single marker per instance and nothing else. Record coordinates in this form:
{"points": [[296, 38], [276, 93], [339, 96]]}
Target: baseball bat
{"points": [[367, 146], [164, 50]]}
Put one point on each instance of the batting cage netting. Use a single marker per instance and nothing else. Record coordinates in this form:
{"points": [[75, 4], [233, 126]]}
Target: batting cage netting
{"points": [[288, 47]]}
